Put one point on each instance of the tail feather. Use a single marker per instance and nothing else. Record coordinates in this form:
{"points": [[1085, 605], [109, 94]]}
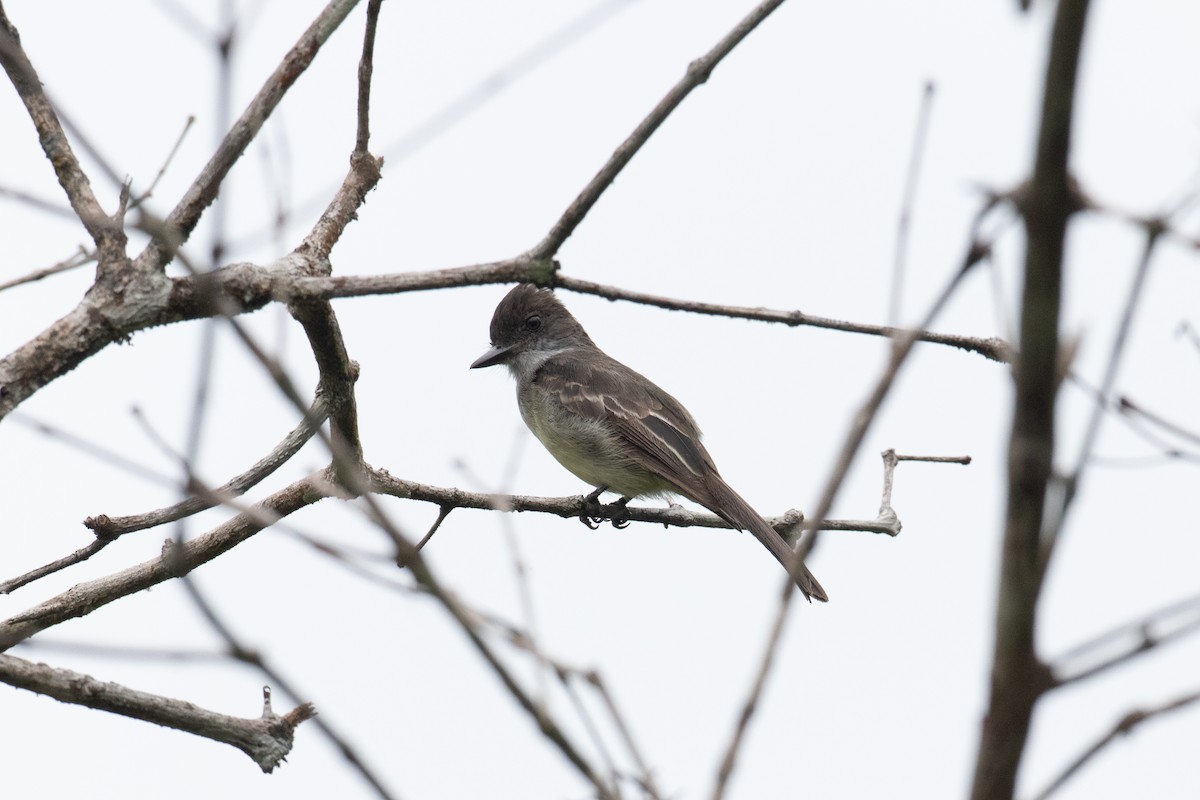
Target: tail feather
{"points": [[729, 506]]}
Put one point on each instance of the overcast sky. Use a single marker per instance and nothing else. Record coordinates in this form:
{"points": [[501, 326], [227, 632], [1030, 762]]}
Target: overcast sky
{"points": [[778, 184]]}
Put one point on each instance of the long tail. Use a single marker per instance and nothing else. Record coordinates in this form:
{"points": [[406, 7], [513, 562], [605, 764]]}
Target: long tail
{"points": [[729, 506]]}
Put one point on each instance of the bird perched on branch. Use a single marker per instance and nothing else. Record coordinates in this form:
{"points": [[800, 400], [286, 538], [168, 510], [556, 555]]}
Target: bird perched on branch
{"points": [[609, 425]]}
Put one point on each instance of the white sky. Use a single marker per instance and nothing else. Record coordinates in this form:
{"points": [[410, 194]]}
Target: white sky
{"points": [[778, 183]]}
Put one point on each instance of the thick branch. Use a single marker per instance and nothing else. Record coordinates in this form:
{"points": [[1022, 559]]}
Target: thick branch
{"points": [[1018, 677], [108, 317], [91, 326], [267, 740], [50, 132], [338, 372]]}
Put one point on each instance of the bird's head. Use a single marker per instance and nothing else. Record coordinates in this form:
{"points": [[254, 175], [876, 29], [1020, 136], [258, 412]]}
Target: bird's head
{"points": [[531, 320]]}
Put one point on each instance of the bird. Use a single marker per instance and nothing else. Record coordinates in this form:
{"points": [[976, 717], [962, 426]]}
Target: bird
{"points": [[610, 426]]}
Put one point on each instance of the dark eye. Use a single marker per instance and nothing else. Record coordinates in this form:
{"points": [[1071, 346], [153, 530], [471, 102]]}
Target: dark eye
{"points": [[533, 322]]}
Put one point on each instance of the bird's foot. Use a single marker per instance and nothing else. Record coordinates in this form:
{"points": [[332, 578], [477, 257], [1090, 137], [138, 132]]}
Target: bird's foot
{"points": [[621, 518], [590, 511]]}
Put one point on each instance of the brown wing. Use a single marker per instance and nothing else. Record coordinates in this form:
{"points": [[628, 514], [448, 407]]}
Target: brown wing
{"points": [[664, 439], [662, 435]]}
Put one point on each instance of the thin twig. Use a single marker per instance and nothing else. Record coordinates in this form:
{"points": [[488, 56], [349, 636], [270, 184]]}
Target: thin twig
{"points": [[254, 658], [697, 73], [78, 260], [105, 455], [471, 100], [146, 194], [1189, 332], [186, 214], [1128, 407], [112, 527], [964, 460], [908, 203], [79, 556], [1122, 727], [443, 512], [108, 529], [901, 348], [529, 269], [593, 731], [133, 653], [1054, 525], [366, 68], [645, 777], [86, 597], [466, 620], [382, 482], [991, 348], [749, 705], [1125, 642]]}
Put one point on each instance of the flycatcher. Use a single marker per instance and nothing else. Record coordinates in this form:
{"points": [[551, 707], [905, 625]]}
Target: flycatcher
{"points": [[609, 425]]}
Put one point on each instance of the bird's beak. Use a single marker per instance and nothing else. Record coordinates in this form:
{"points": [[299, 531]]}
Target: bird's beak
{"points": [[497, 355]]}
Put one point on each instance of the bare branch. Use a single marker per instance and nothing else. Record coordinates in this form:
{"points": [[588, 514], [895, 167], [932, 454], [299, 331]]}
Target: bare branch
{"points": [[1128, 641], [901, 348], [182, 220], [78, 260], [79, 556], [890, 461], [240, 288], [903, 226], [1091, 434], [548, 727], [1018, 678], [86, 597], [50, 132], [1123, 726], [267, 740], [148, 192], [382, 482], [338, 372], [443, 512], [109, 317], [365, 69], [253, 657], [964, 460], [408, 555], [112, 527], [510, 270], [993, 348], [749, 706], [697, 73], [646, 777], [108, 529], [524, 268], [1128, 407]]}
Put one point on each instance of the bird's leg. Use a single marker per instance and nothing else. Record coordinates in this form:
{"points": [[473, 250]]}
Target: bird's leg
{"points": [[621, 518], [590, 513]]}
